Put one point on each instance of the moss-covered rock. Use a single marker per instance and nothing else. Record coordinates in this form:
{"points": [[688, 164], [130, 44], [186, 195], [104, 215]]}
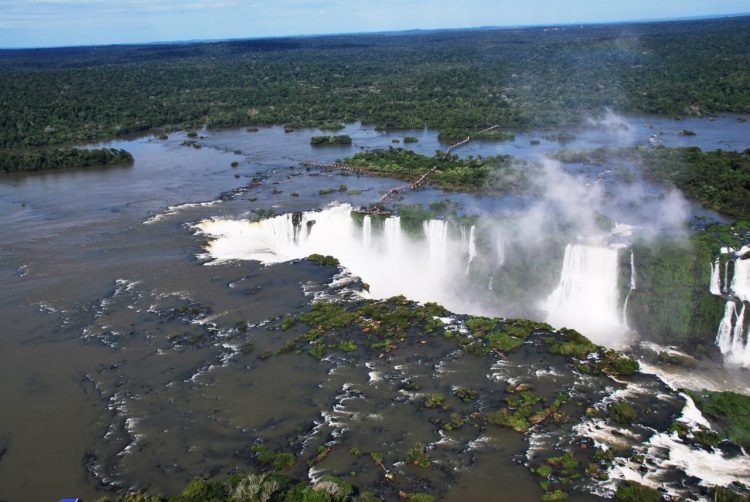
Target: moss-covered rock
{"points": [[729, 413], [570, 343], [276, 460], [630, 491], [672, 303], [622, 413], [325, 261], [417, 455]]}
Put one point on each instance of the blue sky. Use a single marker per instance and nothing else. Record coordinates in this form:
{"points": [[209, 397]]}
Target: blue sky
{"points": [[39, 23]]}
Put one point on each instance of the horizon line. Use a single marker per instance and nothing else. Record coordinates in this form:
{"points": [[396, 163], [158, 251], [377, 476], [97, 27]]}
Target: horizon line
{"points": [[386, 32]]}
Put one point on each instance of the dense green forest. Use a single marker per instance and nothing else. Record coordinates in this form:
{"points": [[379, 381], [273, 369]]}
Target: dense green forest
{"points": [[455, 135], [63, 158], [500, 173], [718, 179], [462, 81]]}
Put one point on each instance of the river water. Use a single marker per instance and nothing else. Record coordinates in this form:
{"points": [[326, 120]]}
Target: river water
{"points": [[120, 360]]}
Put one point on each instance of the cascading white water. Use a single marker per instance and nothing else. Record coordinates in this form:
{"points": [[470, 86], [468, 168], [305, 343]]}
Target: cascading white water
{"points": [[436, 233], [499, 251], [726, 277], [586, 298], [741, 280], [739, 330], [367, 231], [731, 338], [715, 286], [740, 352], [632, 288], [428, 268], [724, 335], [392, 235], [472, 251], [499, 258]]}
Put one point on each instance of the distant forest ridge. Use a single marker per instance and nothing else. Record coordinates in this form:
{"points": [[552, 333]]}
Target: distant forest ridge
{"points": [[448, 80]]}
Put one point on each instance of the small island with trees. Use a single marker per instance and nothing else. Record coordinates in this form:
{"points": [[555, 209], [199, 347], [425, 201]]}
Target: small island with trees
{"points": [[341, 139], [12, 161]]}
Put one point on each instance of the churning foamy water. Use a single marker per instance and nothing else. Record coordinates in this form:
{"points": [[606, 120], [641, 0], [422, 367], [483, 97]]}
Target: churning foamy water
{"points": [[587, 297], [427, 264], [731, 336]]}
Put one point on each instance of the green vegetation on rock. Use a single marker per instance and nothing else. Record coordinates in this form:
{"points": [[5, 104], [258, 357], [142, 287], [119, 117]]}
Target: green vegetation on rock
{"points": [[466, 394], [434, 401], [262, 487], [503, 335], [273, 459], [570, 343], [698, 434], [729, 413], [630, 491], [672, 302], [727, 494], [418, 456], [323, 261], [622, 413]]}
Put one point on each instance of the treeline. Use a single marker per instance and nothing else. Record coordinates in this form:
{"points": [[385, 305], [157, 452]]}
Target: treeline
{"points": [[718, 179], [447, 80], [500, 173], [46, 159], [455, 135]]}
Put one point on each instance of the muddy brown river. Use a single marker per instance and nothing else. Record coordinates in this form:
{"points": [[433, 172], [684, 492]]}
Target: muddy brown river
{"points": [[127, 362]]}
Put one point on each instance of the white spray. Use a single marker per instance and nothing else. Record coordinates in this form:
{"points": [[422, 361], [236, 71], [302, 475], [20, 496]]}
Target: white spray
{"points": [[472, 251], [632, 288], [587, 296], [731, 338]]}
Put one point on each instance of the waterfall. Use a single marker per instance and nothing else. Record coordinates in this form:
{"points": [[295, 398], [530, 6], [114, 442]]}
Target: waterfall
{"points": [[632, 288], [392, 235], [726, 277], [472, 251], [740, 354], [724, 335], [499, 251], [741, 280], [587, 296], [436, 233], [715, 278], [739, 330], [427, 268], [741, 358], [367, 231], [731, 338], [489, 286]]}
